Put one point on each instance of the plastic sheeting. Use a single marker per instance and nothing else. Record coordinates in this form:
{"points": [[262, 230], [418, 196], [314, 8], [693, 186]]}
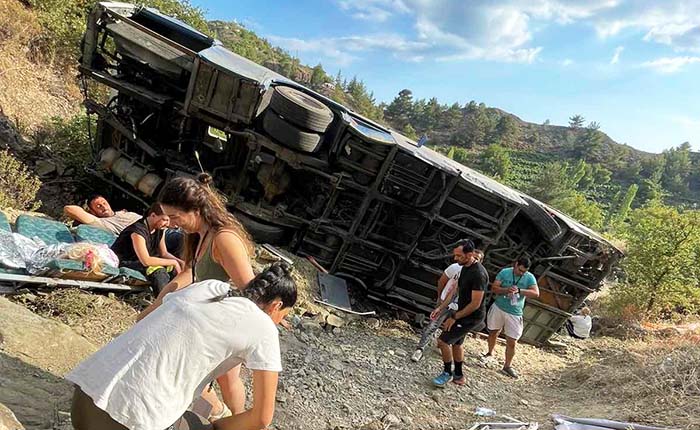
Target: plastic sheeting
{"points": [[33, 255], [563, 422], [16, 250]]}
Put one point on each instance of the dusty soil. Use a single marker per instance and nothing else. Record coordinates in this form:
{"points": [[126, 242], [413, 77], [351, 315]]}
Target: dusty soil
{"points": [[359, 376]]}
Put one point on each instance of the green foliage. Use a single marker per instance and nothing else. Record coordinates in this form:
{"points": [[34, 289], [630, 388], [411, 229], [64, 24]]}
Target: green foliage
{"points": [[63, 22], [495, 161], [67, 139], [677, 168], [576, 122], [560, 185], [507, 131], [555, 181], [400, 110], [621, 208], [409, 132], [18, 186], [588, 143], [586, 211], [318, 77], [661, 267], [463, 156]]}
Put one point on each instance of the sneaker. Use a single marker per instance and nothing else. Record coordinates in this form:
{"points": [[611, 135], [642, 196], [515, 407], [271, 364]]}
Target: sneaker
{"points": [[417, 355], [442, 379], [459, 381], [510, 372]]}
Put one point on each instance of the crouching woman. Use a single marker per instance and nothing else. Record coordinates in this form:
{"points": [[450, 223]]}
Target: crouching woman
{"points": [[147, 377]]}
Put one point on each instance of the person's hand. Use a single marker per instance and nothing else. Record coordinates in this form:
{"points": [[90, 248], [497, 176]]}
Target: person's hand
{"points": [[176, 266], [513, 290], [434, 314], [447, 325]]}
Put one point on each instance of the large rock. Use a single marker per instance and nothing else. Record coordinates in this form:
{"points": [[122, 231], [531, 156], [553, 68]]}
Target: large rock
{"points": [[35, 353], [43, 343], [8, 421]]}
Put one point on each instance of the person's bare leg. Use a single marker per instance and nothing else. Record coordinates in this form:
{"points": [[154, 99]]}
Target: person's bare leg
{"points": [[446, 351], [458, 353], [233, 390], [493, 336], [510, 351]]}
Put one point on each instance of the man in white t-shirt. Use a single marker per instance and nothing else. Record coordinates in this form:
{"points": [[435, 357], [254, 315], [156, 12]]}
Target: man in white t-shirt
{"points": [[148, 376], [447, 287], [101, 215], [579, 326]]}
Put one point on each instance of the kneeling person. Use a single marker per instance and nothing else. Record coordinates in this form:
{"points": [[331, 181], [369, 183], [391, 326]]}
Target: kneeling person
{"points": [[511, 287], [141, 247], [147, 377]]}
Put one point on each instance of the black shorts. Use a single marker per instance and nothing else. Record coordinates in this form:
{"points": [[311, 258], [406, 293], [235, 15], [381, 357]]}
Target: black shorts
{"points": [[460, 329]]}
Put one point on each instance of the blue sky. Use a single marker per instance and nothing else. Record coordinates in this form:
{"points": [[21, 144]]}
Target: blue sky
{"points": [[632, 66]]}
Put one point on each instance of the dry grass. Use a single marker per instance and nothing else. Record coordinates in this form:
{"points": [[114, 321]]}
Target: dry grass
{"points": [[98, 318], [32, 89], [653, 382]]}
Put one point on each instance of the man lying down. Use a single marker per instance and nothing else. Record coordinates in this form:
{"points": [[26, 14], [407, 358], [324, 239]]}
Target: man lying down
{"points": [[146, 378]]}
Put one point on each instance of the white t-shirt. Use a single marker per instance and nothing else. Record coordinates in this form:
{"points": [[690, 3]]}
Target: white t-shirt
{"points": [[452, 272], [581, 325], [147, 377]]}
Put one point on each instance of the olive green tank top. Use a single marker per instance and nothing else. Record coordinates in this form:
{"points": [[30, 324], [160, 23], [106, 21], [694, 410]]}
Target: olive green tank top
{"points": [[206, 268]]}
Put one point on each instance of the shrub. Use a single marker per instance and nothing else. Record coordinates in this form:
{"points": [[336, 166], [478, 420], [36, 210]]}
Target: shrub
{"points": [[67, 139], [18, 186], [661, 266], [64, 21]]}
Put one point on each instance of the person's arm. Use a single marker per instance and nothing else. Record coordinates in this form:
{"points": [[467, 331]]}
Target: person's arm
{"points": [[180, 281], [444, 304], [163, 251], [496, 287], [79, 214], [477, 297], [230, 253], [442, 281], [532, 291], [139, 244], [260, 415]]}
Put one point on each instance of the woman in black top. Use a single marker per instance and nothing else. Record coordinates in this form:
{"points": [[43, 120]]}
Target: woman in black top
{"points": [[141, 246]]}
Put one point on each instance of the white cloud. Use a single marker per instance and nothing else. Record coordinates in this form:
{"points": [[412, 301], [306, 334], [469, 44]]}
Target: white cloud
{"points": [[324, 50], [373, 10], [506, 30], [616, 56], [670, 64], [675, 23], [476, 29], [566, 62], [343, 50]]}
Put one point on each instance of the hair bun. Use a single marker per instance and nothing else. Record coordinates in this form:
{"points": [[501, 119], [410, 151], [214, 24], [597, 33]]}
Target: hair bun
{"points": [[205, 178], [283, 267]]}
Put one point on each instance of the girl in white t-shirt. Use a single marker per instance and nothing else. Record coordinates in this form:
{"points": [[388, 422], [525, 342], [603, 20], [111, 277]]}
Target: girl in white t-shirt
{"points": [[147, 377]]}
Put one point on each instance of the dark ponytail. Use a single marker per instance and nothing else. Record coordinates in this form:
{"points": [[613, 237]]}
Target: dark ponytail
{"points": [[275, 282]]}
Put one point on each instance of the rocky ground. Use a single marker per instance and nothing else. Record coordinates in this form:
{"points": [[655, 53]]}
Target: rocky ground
{"points": [[345, 372]]}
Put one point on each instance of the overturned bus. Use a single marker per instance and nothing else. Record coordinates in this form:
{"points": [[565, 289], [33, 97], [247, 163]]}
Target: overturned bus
{"points": [[304, 172]]}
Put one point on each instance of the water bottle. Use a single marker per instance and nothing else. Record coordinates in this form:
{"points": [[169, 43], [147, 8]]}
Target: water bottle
{"points": [[514, 298]]}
